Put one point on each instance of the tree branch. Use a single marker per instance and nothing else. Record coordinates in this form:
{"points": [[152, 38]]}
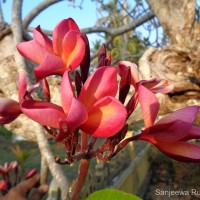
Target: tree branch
{"points": [[54, 168], [17, 30], [111, 31], [38, 9]]}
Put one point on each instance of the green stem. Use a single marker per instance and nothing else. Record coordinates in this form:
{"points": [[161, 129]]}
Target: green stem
{"points": [[84, 165]]}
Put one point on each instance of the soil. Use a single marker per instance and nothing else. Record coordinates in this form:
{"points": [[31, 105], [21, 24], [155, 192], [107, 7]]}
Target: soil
{"points": [[173, 180]]}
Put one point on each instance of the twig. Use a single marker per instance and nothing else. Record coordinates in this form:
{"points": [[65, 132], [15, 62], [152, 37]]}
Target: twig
{"points": [[1, 15]]}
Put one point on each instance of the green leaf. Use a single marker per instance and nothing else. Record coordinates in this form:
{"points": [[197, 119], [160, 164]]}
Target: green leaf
{"points": [[109, 194]]}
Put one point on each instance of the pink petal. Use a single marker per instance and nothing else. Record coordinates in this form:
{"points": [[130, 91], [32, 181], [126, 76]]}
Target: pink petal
{"points": [[149, 104], [124, 65], [181, 151], [73, 49], [44, 40], [9, 110], [101, 83], [77, 115], [158, 85], [44, 113], [166, 133], [51, 65], [32, 50], [67, 91], [31, 173], [187, 114], [61, 29], [105, 119], [22, 83], [194, 133]]}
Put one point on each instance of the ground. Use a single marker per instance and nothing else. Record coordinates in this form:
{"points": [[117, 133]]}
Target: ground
{"points": [[173, 180]]}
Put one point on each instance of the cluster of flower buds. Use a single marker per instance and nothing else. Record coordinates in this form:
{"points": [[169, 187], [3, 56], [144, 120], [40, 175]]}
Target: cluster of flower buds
{"points": [[94, 103], [11, 176]]}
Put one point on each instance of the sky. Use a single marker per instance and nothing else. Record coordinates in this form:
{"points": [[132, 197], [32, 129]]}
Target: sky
{"points": [[85, 17]]}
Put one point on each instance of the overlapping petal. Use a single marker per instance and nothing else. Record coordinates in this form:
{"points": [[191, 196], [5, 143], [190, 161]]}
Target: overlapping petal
{"points": [[124, 66], [32, 50], [67, 92], [77, 115], [51, 65], [181, 151], [44, 40], [158, 85], [22, 83], [73, 49], [101, 83], [9, 110], [149, 104], [59, 33], [187, 114], [105, 119], [44, 113], [160, 133]]}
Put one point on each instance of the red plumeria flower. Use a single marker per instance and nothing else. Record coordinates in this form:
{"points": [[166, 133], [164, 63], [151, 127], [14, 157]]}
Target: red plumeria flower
{"points": [[9, 108], [95, 111], [144, 91], [8, 167], [171, 134], [3, 185], [65, 51]]}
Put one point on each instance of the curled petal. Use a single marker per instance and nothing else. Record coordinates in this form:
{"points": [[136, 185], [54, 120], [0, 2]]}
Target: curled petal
{"points": [[44, 40], [149, 104], [32, 50], [22, 83], [51, 65], [124, 66], [77, 115], [187, 114], [61, 29], [9, 110], [181, 151], [105, 119], [158, 85], [67, 92], [44, 113], [166, 132], [73, 49], [101, 83]]}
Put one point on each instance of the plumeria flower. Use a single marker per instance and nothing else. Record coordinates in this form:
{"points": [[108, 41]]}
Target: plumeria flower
{"points": [[9, 108], [65, 51], [144, 91], [95, 111], [172, 133], [8, 167]]}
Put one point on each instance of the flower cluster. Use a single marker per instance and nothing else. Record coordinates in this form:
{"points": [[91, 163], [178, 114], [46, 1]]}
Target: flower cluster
{"points": [[95, 105], [11, 176]]}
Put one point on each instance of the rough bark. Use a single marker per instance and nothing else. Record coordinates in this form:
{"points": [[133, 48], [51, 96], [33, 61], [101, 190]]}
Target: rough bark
{"points": [[177, 19]]}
